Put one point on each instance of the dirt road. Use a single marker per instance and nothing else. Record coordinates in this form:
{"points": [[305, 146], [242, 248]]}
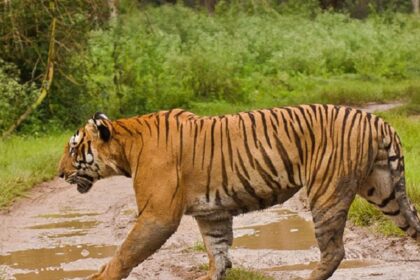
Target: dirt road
{"points": [[57, 233]]}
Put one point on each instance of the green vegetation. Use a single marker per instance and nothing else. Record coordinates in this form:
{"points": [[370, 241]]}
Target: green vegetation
{"points": [[26, 161], [245, 274], [240, 273], [198, 247], [248, 54], [172, 56]]}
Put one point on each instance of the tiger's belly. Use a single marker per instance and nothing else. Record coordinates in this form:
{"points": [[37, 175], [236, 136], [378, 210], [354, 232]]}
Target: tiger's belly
{"points": [[235, 201]]}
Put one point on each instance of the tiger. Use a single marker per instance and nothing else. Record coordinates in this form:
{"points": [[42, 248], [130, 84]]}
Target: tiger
{"points": [[216, 167]]}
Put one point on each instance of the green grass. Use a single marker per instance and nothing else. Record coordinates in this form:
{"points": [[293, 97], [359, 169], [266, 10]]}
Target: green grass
{"points": [[172, 56], [198, 247], [364, 214], [245, 274], [27, 161], [239, 273]]}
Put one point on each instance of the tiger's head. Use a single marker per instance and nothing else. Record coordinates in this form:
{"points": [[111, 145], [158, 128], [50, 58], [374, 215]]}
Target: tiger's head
{"points": [[90, 154]]}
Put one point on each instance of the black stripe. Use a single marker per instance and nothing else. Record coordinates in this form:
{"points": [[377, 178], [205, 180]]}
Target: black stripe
{"points": [[181, 142], [392, 158], [392, 213], [285, 125], [269, 181], [229, 143], [239, 202], [405, 228], [264, 122], [158, 127], [144, 207], [385, 202], [247, 150], [241, 162], [195, 141], [268, 161], [286, 160], [224, 176], [217, 199], [121, 124], [167, 126], [298, 145], [211, 160], [248, 188], [177, 181], [253, 128]]}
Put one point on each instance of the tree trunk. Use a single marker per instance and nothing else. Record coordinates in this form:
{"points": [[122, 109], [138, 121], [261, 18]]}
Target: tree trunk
{"points": [[46, 83], [113, 8], [415, 6]]}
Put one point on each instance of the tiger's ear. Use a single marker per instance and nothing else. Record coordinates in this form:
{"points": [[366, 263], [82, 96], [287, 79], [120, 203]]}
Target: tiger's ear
{"points": [[102, 123]]}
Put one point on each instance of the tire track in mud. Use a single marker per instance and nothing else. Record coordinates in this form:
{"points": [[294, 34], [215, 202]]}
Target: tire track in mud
{"points": [[57, 233]]}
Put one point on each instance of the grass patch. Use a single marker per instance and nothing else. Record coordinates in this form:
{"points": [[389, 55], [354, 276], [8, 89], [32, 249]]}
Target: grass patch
{"points": [[364, 214], [240, 273], [198, 247], [245, 274], [26, 161]]}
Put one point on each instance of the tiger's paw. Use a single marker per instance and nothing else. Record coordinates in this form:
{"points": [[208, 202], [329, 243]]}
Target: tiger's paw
{"points": [[98, 275]]}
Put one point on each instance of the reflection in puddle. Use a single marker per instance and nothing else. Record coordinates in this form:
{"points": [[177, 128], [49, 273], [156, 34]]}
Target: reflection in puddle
{"points": [[129, 212], [68, 234], [47, 261], [54, 274], [290, 233], [49, 257], [67, 215], [344, 265], [68, 224]]}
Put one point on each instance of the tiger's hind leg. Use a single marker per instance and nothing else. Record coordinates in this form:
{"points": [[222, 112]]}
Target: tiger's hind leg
{"points": [[381, 190], [216, 231], [329, 208]]}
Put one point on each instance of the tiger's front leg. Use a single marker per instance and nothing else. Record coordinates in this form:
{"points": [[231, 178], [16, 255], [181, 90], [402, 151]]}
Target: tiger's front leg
{"points": [[148, 235], [158, 219]]}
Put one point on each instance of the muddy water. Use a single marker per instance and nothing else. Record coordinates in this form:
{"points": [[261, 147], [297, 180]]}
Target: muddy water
{"points": [[51, 263], [67, 224], [291, 232], [346, 264], [46, 263]]}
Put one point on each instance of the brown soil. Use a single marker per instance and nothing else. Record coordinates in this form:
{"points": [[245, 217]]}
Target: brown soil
{"points": [[57, 233]]}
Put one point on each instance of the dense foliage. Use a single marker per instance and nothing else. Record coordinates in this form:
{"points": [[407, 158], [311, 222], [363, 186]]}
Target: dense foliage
{"points": [[246, 54]]}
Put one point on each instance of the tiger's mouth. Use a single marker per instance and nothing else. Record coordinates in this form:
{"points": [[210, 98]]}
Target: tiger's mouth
{"points": [[84, 182]]}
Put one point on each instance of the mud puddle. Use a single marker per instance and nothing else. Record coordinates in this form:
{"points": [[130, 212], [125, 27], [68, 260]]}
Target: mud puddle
{"points": [[47, 263], [290, 232], [346, 264], [58, 262]]}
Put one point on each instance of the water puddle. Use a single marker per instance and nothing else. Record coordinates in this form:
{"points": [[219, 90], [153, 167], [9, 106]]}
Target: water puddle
{"points": [[67, 224], [45, 263], [54, 274], [289, 233], [67, 215], [68, 234], [346, 264]]}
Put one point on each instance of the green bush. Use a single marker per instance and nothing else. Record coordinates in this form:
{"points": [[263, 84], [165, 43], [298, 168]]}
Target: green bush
{"points": [[15, 97], [245, 55]]}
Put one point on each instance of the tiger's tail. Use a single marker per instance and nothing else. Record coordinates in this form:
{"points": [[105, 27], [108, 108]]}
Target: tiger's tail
{"points": [[407, 209]]}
